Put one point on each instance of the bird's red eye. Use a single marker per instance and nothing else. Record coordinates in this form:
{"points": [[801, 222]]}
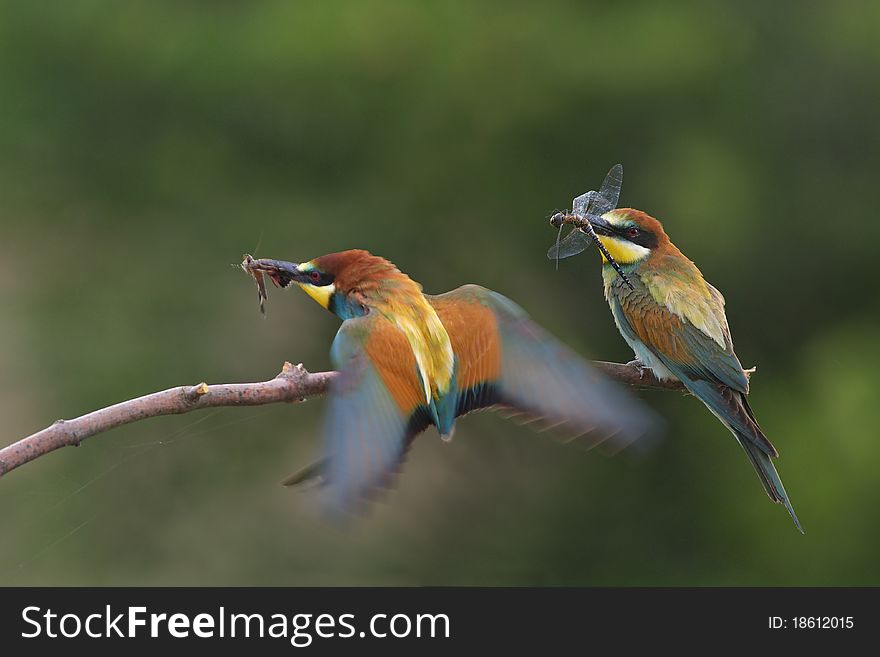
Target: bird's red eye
{"points": [[632, 232], [315, 276]]}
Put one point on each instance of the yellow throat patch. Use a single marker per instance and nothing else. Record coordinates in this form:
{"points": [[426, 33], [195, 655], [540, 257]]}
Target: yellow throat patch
{"points": [[321, 294], [624, 252]]}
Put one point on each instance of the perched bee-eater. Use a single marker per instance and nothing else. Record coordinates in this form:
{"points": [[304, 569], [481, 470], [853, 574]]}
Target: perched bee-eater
{"points": [[675, 323], [408, 360]]}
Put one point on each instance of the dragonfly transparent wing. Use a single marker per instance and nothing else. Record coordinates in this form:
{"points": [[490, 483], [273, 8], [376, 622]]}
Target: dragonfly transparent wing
{"points": [[610, 189], [572, 244], [581, 204], [605, 200]]}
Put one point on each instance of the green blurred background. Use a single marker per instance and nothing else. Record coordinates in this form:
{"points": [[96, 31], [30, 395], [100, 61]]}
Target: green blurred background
{"points": [[144, 147]]}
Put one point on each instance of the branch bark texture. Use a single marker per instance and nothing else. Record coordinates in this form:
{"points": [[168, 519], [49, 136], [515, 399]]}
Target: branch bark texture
{"points": [[292, 384]]}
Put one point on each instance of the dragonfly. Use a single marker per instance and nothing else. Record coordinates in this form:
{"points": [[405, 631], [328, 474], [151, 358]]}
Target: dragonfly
{"points": [[582, 235]]}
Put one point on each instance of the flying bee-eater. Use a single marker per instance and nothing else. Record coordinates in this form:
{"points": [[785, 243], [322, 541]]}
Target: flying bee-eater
{"points": [[674, 321], [408, 360]]}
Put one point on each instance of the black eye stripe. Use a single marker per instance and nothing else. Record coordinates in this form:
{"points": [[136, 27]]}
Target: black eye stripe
{"points": [[319, 278], [642, 238]]}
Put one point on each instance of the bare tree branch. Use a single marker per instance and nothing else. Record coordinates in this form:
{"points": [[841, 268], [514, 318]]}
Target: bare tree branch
{"points": [[292, 384]]}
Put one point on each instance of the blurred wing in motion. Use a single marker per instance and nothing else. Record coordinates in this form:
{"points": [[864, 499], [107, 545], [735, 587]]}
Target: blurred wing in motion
{"points": [[502, 359], [376, 408], [505, 359]]}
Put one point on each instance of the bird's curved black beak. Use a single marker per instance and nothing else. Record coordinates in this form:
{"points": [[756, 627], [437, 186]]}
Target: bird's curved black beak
{"points": [[281, 272]]}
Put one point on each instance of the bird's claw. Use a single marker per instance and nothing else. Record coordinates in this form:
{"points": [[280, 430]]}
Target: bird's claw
{"points": [[640, 366]]}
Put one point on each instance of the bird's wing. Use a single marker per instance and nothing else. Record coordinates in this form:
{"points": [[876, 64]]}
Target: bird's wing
{"points": [[687, 328], [503, 358], [376, 408], [677, 284], [712, 372]]}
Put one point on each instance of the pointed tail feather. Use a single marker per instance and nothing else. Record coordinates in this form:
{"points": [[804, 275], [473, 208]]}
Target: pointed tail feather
{"points": [[732, 408], [769, 477]]}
